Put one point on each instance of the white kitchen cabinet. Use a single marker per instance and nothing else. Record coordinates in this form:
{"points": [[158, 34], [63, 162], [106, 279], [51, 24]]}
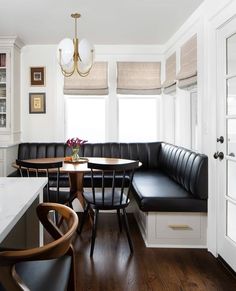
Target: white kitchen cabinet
{"points": [[10, 110]]}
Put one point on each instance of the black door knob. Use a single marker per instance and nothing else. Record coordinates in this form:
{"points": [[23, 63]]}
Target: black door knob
{"points": [[220, 139], [218, 155]]}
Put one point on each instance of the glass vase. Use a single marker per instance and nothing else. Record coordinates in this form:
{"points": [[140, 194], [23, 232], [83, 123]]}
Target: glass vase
{"points": [[75, 154]]}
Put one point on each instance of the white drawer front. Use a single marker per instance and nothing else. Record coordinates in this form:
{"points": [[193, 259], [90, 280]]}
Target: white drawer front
{"points": [[178, 225]]}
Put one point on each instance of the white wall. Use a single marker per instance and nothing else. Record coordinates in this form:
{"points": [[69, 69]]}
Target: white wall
{"points": [[50, 126], [39, 127]]}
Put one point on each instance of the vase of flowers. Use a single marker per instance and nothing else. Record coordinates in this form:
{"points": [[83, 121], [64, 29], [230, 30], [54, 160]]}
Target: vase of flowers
{"points": [[75, 155], [75, 143]]}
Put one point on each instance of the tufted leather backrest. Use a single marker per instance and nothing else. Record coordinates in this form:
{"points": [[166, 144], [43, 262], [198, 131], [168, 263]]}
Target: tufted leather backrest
{"points": [[187, 168], [147, 153], [42, 150]]}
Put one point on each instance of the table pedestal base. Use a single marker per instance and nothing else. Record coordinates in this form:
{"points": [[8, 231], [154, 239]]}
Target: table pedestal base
{"points": [[76, 186]]}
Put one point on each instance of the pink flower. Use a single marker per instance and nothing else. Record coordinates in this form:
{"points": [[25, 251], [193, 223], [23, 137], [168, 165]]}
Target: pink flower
{"points": [[75, 142]]}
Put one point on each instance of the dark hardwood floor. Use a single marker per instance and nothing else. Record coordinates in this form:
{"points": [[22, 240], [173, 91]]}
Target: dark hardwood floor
{"points": [[113, 268]]}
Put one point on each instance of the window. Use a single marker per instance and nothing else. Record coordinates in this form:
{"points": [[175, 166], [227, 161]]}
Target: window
{"points": [[193, 119], [168, 118], [85, 117], [138, 119]]}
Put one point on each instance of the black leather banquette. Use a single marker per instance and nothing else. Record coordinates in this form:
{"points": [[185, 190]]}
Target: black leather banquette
{"points": [[171, 179]]}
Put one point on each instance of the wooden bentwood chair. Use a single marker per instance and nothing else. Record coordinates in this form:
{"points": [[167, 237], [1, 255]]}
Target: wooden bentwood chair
{"points": [[51, 170], [50, 267], [114, 196]]}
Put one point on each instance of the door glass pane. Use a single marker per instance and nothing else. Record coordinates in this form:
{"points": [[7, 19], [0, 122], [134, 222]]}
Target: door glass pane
{"points": [[231, 55], [137, 119], [231, 218], [231, 137], [231, 96], [231, 177]]}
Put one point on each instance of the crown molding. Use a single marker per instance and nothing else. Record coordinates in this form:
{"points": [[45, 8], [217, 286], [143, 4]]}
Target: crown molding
{"points": [[11, 40]]}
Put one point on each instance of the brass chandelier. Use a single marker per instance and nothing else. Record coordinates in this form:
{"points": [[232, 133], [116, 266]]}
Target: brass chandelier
{"points": [[75, 56]]}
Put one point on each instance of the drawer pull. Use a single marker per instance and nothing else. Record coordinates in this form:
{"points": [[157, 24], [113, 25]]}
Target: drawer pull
{"points": [[179, 226]]}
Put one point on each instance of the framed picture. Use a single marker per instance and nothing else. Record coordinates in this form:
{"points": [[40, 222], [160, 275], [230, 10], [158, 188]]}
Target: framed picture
{"points": [[37, 76], [37, 103]]}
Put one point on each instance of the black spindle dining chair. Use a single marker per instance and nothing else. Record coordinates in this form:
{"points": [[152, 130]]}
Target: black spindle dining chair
{"points": [[51, 170], [114, 197]]}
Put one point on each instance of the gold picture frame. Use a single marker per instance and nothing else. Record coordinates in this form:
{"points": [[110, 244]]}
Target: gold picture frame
{"points": [[37, 76], [37, 103]]}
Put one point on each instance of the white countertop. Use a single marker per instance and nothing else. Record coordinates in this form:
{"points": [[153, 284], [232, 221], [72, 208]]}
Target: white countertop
{"points": [[16, 195]]}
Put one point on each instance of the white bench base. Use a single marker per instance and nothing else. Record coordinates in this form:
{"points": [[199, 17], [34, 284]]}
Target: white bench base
{"points": [[172, 229]]}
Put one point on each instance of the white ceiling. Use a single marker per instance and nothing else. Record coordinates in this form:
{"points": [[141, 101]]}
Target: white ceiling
{"points": [[102, 22]]}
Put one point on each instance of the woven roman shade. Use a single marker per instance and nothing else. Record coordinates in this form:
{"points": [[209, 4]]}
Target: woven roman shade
{"points": [[96, 83], [187, 75], [139, 78], [169, 85]]}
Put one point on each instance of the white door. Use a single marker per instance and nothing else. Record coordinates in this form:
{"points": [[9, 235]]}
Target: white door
{"points": [[226, 142]]}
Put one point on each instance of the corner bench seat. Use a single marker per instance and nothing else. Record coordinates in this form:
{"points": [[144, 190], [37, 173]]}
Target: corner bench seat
{"points": [[154, 191], [171, 185]]}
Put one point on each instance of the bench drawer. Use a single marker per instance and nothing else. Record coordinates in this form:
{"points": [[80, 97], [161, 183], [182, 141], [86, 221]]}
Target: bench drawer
{"points": [[178, 225], [174, 229]]}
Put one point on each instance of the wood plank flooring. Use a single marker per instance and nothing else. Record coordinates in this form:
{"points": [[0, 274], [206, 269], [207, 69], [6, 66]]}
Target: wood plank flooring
{"points": [[112, 268]]}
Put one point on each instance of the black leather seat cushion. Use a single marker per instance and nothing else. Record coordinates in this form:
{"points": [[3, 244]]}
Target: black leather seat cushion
{"points": [[45, 275], [61, 197], [155, 191], [106, 202]]}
